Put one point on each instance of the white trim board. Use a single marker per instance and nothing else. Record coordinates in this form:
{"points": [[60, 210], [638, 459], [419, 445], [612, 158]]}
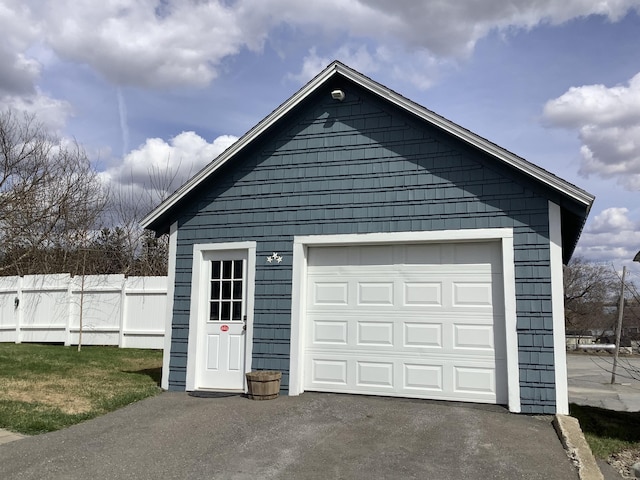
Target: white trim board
{"points": [[168, 322], [557, 305], [300, 250]]}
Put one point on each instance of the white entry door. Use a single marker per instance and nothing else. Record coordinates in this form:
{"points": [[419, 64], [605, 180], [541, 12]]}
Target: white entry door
{"points": [[223, 321]]}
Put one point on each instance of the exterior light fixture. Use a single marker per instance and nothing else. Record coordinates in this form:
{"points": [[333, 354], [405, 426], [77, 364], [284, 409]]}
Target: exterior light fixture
{"points": [[338, 95]]}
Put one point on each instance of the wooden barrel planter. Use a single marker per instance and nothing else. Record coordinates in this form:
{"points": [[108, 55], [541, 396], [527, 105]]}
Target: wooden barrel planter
{"points": [[264, 384]]}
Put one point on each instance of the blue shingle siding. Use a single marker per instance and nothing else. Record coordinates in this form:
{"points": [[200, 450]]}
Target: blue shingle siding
{"points": [[363, 166]]}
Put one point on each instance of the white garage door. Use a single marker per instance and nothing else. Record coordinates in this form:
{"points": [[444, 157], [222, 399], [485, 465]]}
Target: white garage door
{"points": [[422, 321]]}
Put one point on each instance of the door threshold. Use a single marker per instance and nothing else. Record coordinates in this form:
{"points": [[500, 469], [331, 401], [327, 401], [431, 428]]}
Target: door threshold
{"points": [[215, 393]]}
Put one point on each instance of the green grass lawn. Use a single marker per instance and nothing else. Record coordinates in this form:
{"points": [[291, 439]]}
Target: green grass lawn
{"points": [[608, 431], [48, 387]]}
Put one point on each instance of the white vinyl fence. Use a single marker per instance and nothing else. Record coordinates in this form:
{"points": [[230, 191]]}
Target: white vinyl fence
{"points": [[128, 312]]}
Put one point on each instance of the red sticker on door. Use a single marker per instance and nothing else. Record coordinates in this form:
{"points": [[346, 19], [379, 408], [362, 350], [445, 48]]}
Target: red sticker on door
{"points": [[224, 328]]}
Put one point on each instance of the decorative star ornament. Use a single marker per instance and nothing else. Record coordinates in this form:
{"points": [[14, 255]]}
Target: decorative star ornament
{"points": [[276, 257]]}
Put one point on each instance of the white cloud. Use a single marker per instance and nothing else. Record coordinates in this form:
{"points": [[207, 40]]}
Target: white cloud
{"points": [[356, 56], [597, 103], [159, 167], [610, 237], [608, 122], [419, 69], [444, 28], [18, 71], [50, 112], [18, 74], [183, 43], [611, 220], [131, 43], [19, 27]]}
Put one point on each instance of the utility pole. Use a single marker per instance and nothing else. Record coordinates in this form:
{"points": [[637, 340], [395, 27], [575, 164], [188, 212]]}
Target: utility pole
{"points": [[618, 327]]}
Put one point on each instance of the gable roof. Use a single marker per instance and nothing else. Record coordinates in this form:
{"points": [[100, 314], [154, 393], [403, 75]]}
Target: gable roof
{"points": [[158, 218]]}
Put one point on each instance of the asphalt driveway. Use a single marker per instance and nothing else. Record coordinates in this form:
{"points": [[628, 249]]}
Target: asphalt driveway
{"points": [[175, 436]]}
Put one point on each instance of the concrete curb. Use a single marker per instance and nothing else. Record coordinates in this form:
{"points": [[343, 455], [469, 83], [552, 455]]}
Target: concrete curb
{"points": [[6, 436], [572, 438]]}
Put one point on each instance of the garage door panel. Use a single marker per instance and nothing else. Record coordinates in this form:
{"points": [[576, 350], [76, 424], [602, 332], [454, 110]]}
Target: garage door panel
{"points": [[422, 335], [328, 371], [423, 321], [330, 331], [375, 293], [423, 377], [475, 379], [374, 255], [375, 334], [420, 294], [437, 378], [330, 293], [375, 374], [328, 256], [474, 336], [419, 272], [486, 253], [467, 336], [476, 294], [425, 254]]}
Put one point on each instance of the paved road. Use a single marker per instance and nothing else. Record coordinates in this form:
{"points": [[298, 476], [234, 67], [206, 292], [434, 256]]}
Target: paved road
{"points": [[590, 382], [313, 436]]}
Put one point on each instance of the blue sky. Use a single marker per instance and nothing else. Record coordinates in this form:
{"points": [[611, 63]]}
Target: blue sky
{"points": [[146, 84]]}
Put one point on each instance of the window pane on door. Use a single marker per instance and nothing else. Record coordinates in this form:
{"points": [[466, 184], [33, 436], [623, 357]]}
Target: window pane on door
{"points": [[215, 269], [225, 311], [214, 312], [237, 311], [215, 290], [237, 290], [237, 270], [227, 268], [226, 290]]}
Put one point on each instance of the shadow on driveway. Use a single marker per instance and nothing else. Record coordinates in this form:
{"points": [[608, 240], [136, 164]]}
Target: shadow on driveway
{"points": [[313, 436]]}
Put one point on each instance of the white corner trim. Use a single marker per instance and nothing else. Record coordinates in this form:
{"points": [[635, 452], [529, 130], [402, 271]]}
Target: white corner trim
{"points": [[557, 305], [511, 324], [197, 300], [168, 322], [298, 302], [299, 288], [196, 267]]}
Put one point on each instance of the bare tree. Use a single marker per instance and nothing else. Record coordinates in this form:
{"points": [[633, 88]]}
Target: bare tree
{"points": [[146, 254], [57, 217], [589, 296], [51, 198]]}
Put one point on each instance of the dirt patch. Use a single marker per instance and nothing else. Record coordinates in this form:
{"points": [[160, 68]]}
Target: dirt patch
{"points": [[59, 393], [138, 364], [624, 460]]}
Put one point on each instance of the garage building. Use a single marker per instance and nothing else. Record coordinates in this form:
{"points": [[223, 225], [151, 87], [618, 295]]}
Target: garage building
{"points": [[360, 243]]}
